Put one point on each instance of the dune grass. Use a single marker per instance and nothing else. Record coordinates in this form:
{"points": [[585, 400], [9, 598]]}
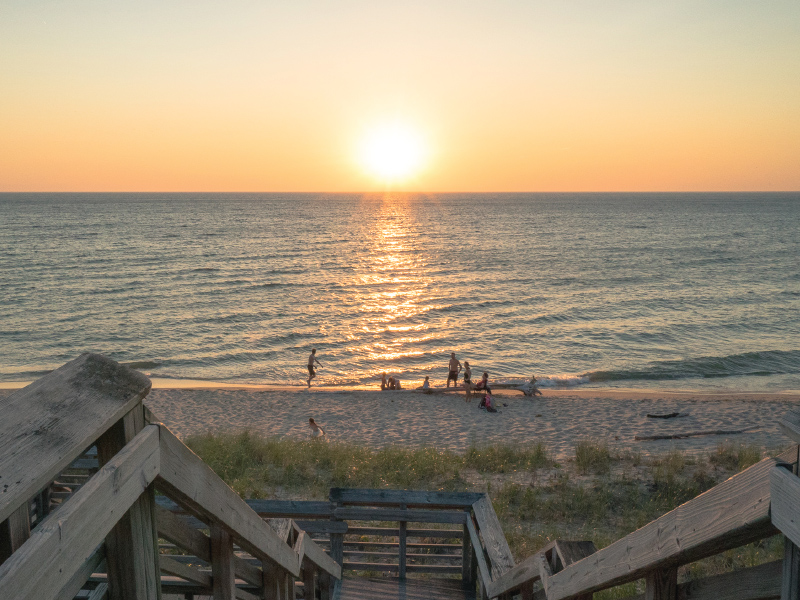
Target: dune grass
{"points": [[596, 496]]}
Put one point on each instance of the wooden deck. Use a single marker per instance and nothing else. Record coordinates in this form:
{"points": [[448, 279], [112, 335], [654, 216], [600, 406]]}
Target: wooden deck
{"points": [[386, 588]]}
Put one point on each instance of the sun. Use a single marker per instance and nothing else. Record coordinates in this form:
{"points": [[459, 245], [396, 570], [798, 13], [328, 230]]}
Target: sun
{"points": [[393, 152]]}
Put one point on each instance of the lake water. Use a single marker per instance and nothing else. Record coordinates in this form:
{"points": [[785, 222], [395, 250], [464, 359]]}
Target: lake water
{"points": [[674, 291]]}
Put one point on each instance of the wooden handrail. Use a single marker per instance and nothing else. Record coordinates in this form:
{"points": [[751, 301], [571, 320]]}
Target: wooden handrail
{"points": [[49, 423], [190, 482], [412, 499], [732, 514], [307, 549], [58, 547]]}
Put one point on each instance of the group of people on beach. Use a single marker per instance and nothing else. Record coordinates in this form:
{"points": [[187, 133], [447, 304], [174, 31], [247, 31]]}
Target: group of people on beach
{"points": [[455, 367], [393, 382]]}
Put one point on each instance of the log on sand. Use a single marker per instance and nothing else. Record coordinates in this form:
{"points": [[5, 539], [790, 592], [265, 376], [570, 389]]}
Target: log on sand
{"points": [[678, 436]]}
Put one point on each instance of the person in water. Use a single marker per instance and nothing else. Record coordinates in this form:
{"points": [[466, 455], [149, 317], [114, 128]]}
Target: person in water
{"points": [[316, 430], [312, 358], [454, 368]]}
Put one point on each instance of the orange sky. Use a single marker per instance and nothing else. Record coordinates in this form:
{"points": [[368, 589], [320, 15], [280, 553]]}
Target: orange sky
{"points": [[507, 96]]}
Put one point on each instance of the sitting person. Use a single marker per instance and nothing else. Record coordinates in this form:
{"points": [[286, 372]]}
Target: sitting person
{"points": [[316, 430], [397, 385], [391, 385], [483, 384], [487, 403], [426, 385]]}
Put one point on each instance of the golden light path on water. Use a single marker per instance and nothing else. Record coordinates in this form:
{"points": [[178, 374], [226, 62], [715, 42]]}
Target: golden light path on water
{"points": [[395, 290]]}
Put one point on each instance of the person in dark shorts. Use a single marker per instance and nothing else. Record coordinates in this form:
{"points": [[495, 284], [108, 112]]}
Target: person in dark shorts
{"points": [[454, 369], [312, 358]]}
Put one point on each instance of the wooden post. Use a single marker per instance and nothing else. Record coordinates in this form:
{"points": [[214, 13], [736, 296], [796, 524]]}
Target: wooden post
{"points": [[467, 573], [278, 584], [223, 580], [790, 584], [309, 581], [662, 584], [337, 542], [402, 546], [14, 531], [325, 586], [132, 545]]}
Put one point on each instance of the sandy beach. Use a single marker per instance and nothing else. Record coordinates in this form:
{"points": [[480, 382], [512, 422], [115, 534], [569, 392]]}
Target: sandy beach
{"points": [[559, 419]]}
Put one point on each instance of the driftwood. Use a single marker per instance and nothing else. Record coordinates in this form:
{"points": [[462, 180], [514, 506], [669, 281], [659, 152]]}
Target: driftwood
{"points": [[678, 436], [671, 415]]}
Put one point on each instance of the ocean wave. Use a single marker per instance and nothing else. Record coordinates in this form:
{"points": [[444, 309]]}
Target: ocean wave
{"points": [[770, 362]]}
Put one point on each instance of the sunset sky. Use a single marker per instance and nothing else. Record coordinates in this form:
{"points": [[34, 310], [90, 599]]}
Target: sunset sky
{"points": [[510, 95]]}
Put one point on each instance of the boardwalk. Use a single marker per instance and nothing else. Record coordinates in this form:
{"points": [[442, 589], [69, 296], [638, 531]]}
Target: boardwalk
{"points": [[358, 588]]}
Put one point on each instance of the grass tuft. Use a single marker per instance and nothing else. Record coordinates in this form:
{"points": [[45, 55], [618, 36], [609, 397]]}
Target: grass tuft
{"points": [[592, 456]]}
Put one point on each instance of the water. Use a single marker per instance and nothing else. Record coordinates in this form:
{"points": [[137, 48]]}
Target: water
{"points": [[673, 291]]}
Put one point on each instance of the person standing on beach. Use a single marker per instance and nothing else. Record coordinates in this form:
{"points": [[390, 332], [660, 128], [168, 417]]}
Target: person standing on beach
{"points": [[467, 381], [312, 358], [454, 369]]}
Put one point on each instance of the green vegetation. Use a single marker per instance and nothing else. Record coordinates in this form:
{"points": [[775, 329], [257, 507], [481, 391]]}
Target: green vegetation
{"points": [[596, 496]]}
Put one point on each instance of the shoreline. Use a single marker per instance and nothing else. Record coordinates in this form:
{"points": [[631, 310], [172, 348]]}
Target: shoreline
{"points": [[583, 391], [559, 419]]}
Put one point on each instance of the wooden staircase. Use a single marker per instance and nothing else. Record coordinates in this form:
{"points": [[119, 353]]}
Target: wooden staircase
{"points": [[100, 501]]}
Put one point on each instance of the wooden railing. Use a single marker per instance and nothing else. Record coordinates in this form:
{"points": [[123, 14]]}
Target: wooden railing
{"points": [[755, 504], [104, 536], [146, 485]]}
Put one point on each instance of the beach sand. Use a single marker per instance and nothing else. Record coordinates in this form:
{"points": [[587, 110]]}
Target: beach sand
{"points": [[559, 419]]}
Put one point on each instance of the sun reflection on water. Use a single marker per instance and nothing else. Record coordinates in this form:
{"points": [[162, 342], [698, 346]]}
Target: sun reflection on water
{"points": [[392, 288]]}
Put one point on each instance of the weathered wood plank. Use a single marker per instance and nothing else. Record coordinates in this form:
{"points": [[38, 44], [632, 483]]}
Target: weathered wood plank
{"points": [[94, 562], [223, 579], [191, 482], [483, 568], [308, 549], [53, 420], [572, 551], [294, 509], [790, 425], [500, 557], [173, 567], [526, 571], [396, 514], [394, 555], [174, 529], [662, 584], [785, 503], [412, 499], [132, 544], [387, 588], [415, 533], [14, 531], [754, 583], [99, 593], [323, 526], [395, 568], [731, 514], [59, 546]]}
